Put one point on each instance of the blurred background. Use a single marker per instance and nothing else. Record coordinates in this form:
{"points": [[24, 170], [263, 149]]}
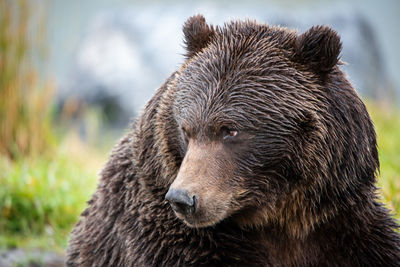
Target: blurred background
{"points": [[74, 73]]}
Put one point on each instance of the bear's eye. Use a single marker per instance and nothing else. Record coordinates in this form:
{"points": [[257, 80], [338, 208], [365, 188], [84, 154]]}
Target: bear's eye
{"points": [[229, 133]]}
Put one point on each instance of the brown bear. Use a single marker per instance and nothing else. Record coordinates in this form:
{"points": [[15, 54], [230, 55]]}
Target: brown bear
{"points": [[257, 151]]}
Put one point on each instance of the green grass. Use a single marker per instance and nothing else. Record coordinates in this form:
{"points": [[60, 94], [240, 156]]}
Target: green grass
{"points": [[387, 125], [41, 198]]}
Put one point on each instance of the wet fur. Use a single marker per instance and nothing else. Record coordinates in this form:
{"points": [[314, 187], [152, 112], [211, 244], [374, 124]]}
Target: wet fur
{"points": [[304, 182]]}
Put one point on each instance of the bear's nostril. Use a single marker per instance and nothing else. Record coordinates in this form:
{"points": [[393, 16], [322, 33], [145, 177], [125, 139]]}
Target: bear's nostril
{"points": [[180, 201], [194, 202]]}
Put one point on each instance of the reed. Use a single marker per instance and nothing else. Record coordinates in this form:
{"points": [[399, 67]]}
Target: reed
{"points": [[25, 96]]}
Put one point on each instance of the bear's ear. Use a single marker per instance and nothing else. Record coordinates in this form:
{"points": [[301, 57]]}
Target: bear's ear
{"points": [[318, 48], [197, 34]]}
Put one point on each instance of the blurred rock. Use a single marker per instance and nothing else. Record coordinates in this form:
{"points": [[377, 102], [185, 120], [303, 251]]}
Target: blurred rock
{"points": [[33, 258], [361, 52], [126, 54]]}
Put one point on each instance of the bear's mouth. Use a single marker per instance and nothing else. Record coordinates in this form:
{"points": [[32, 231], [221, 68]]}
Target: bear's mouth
{"points": [[201, 218], [197, 223]]}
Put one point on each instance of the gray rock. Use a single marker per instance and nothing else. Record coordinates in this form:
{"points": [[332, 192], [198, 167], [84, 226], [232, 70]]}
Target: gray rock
{"points": [[31, 258]]}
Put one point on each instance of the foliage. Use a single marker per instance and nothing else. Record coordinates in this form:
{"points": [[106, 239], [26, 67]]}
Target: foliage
{"points": [[387, 125], [41, 198], [44, 183]]}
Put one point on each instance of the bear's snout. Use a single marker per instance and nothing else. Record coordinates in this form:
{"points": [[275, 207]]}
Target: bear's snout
{"points": [[180, 201], [202, 168]]}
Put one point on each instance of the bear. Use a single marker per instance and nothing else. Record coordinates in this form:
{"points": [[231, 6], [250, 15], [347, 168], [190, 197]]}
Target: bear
{"points": [[257, 151]]}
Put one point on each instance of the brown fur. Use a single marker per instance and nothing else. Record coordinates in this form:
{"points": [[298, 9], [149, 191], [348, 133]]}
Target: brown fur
{"points": [[294, 187], [197, 34]]}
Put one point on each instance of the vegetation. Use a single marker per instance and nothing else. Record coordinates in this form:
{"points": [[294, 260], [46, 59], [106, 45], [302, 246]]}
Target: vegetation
{"points": [[41, 198], [45, 178], [24, 97], [387, 125]]}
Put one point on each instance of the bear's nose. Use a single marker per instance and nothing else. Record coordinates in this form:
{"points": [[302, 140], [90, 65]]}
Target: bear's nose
{"points": [[180, 201]]}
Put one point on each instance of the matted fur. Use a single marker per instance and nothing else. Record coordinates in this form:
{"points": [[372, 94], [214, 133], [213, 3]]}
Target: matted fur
{"points": [[296, 187]]}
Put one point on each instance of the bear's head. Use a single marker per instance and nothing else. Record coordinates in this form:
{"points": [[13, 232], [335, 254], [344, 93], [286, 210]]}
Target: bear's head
{"points": [[269, 131]]}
